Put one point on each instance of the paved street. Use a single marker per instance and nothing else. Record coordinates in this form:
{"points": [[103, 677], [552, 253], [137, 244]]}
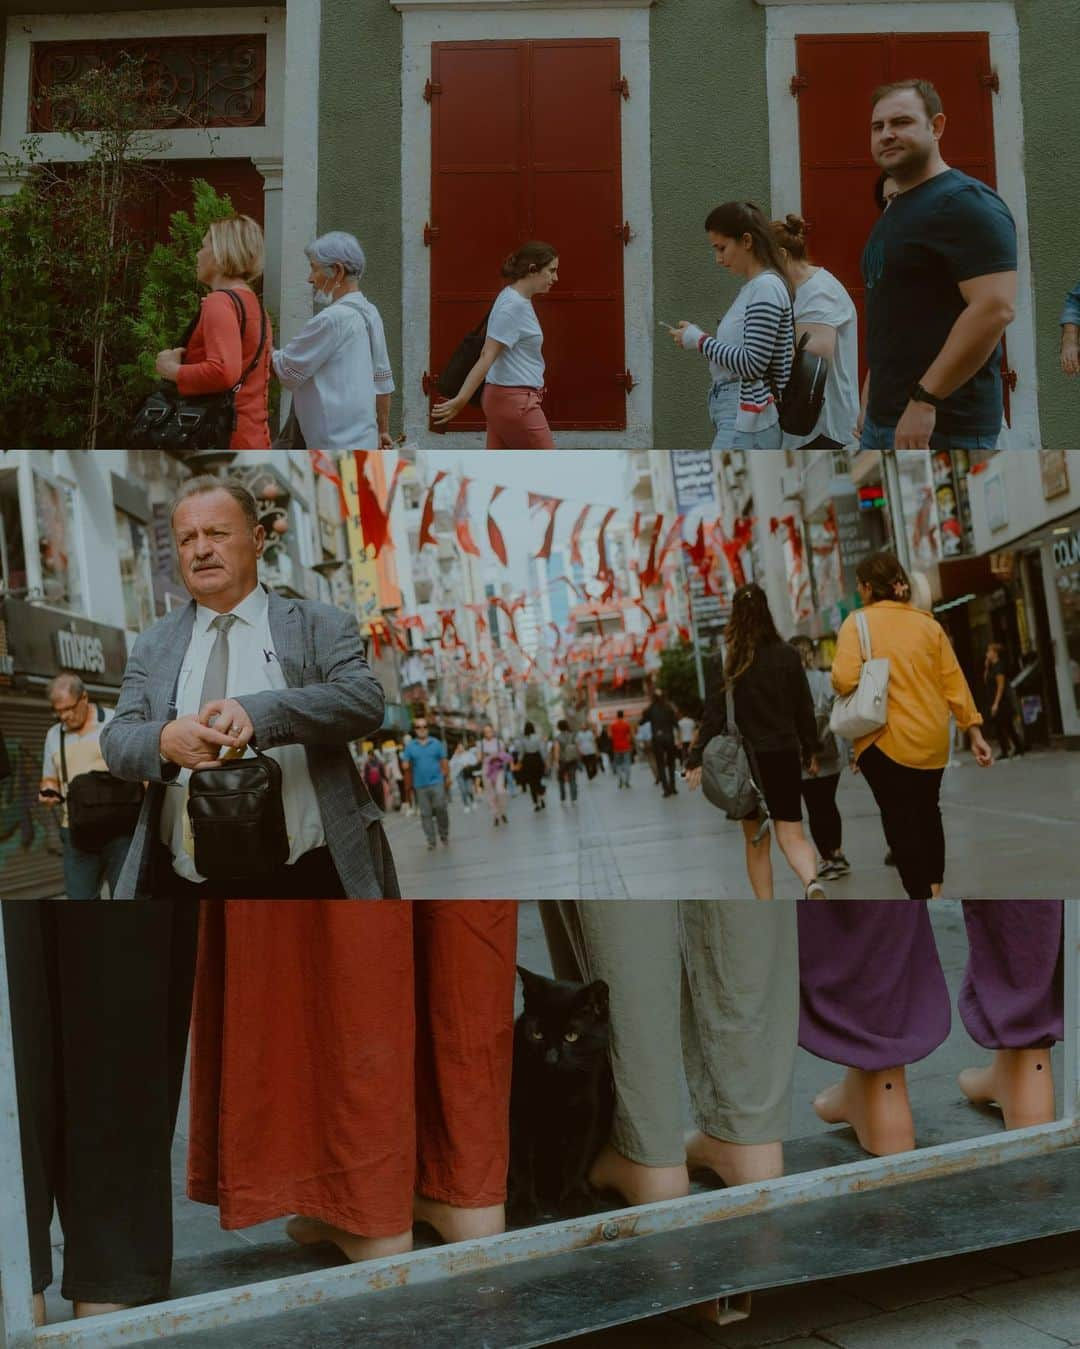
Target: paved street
{"points": [[1011, 833], [1019, 1296]]}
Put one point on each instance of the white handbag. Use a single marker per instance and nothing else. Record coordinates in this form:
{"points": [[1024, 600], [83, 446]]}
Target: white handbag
{"points": [[864, 711]]}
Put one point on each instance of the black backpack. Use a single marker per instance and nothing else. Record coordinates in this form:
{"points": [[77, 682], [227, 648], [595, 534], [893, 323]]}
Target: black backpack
{"points": [[804, 394], [464, 357]]}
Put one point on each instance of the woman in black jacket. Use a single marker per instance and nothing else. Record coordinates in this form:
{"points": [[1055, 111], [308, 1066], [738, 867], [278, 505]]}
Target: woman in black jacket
{"points": [[774, 712]]}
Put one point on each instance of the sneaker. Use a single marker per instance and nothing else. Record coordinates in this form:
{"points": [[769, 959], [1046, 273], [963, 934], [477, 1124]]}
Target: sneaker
{"points": [[826, 871], [840, 865], [431, 847], [815, 890]]}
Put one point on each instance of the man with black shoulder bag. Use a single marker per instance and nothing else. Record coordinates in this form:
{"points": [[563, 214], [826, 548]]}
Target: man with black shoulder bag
{"points": [[99, 812]]}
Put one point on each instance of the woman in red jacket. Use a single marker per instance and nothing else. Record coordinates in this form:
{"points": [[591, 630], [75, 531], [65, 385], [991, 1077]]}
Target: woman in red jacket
{"points": [[218, 354]]}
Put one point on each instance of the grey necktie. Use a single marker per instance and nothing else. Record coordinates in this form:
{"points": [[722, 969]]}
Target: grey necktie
{"points": [[216, 680]]}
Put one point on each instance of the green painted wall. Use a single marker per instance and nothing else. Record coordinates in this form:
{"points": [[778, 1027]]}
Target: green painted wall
{"points": [[710, 126], [1049, 43], [360, 148]]}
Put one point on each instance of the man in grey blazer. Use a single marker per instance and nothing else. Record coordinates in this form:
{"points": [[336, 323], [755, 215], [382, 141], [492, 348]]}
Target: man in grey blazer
{"points": [[239, 666]]}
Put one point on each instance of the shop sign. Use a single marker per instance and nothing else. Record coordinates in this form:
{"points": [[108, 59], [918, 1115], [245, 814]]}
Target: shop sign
{"points": [[1067, 551], [1054, 467], [855, 536], [695, 481], [42, 642]]}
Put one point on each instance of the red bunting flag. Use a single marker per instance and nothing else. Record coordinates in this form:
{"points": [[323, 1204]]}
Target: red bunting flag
{"points": [[374, 523], [427, 516], [637, 525], [495, 538], [558, 635], [575, 538], [602, 569], [551, 505], [324, 466], [399, 469], [509, 610], [673, 535], [651, 573], [462, 528], [577, 593]]}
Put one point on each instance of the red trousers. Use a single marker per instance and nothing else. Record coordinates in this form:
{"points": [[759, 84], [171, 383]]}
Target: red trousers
{"points": [[349, 1053], [515, 418]]}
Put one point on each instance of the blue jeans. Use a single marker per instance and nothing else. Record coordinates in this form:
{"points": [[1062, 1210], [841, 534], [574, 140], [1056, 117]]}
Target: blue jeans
{"points": [[878, 437], [84, 871], [622, 766], [723, 409], [466, 790]]}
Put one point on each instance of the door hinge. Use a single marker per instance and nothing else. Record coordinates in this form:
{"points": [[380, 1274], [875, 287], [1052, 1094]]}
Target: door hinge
{"points": [[427, 383], [626, 379], [430, 90], [624, 231], [431, 233], [798, 82], [1009, 377], [991, 80], [621, 86]]}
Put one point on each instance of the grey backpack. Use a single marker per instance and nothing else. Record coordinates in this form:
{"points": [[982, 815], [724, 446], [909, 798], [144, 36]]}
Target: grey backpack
{"points": [[727, 777]]}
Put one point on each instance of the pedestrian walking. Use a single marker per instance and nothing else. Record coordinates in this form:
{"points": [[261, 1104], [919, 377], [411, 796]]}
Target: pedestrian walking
{"points": [[643, 740], [493, 764], [826, 313], [227, 669], [100, 1003], [703, 992], [587, 748], [751, 356], [229, 346], [511, 363], [940, 270], [533, 759], [426, 756], [566, 759], [337, 367], [603, 744], [664, 722], [874, 999], [73, 749], [905, 760], [999, 701], [1070, 333], [394, 775], [819, 789], [687, 731], [463, 763], [774, 713], [373, 772], [622, 748]]}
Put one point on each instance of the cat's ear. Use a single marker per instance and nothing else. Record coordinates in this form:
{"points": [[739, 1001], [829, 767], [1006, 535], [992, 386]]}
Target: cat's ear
{"points": [[530, 980], [596, 998]]}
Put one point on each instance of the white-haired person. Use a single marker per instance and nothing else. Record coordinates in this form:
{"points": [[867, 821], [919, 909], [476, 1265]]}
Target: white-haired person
{"points": [[224, 351], [337, 367]]}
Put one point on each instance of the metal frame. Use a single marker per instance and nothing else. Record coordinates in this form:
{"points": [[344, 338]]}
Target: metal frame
{"points": [[238, 1306]]}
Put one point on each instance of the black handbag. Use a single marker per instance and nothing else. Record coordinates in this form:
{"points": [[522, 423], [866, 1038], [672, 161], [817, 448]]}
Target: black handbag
{"points": [[170, 420], [464, 357], [237, 816], [100, 807], [804, 394]]}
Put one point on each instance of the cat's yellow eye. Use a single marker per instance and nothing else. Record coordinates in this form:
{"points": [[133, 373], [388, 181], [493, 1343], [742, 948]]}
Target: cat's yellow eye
{"points": [[536, 1035], [571, 1036]]}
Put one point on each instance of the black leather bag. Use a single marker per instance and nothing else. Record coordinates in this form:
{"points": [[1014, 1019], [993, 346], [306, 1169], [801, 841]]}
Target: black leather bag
{"points": [[804, 396], [237, 816], [170, 420], [99, 806], [464, 357]]}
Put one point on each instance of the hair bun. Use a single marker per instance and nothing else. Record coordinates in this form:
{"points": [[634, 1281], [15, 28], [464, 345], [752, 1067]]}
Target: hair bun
{"points": [[796, 224]]}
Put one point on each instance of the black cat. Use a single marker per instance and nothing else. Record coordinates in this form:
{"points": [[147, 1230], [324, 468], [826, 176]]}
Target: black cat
{"points": [[561, 1099]]}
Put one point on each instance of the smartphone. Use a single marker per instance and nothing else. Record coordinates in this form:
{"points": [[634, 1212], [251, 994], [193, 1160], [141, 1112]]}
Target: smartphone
{"points": [[670, 327]]}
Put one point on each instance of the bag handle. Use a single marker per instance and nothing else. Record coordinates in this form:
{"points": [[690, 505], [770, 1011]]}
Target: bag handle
{"points": [[63, 761], [864, 634], [241, 310]]}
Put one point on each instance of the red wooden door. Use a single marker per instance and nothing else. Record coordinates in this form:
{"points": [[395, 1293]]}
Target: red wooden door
{"points": [[837, 74], [525, 144]]}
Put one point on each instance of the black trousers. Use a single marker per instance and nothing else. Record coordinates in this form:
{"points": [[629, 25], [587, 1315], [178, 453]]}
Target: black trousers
{"points": [[100, 1006], [312, 876], [664, 749], [1005, 729], [826, 827], [909, 801]]}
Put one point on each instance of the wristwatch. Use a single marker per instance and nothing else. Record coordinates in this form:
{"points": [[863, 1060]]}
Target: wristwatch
{"points": [[917, 394]]}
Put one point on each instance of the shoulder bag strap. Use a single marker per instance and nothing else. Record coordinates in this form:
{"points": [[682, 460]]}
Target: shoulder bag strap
{"points": [[243, 323], [864, 634], [63, 761]]}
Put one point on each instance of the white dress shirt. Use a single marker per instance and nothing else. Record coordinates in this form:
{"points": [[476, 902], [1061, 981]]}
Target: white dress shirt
{"points": [[253, 668]]}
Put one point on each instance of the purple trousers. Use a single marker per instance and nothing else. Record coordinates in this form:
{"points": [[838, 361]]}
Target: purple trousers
{"points": [[874, 993]]}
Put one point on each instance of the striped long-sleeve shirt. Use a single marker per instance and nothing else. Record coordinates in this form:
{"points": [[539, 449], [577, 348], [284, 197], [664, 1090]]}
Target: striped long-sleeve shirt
{"points": [[755, 343]]}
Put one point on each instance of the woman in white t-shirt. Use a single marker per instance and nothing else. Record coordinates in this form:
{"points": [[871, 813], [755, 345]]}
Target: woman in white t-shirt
{"points": [[337, 365], [825, 310], [511, 362], [752, 353]]}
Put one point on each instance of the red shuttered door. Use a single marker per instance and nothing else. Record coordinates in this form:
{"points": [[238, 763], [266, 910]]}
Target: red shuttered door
{"points": [[837, 74], [526, 145]]}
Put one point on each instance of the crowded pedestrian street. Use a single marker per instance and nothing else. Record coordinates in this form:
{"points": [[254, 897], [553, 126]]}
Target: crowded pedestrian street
{"points": [[1010, 831]]}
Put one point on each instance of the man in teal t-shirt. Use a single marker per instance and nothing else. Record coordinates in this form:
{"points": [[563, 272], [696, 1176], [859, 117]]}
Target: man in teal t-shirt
{"points": [[426, 756]]}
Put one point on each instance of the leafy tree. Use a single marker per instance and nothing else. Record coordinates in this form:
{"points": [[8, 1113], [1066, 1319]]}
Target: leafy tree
{"points": [[677, 678]]}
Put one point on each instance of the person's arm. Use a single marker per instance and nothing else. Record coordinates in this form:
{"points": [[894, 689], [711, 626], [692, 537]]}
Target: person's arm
{"points": [[489, 354], [999, 693], [223, 364], [864, 403], [49, 782], [822, 338], [383, 375], [445, 763], [299, 359], [955, 686], [805, 715], [750, 358], [1070, 333], [713, 717], [847, 662], [131, 742], [382, 420]]}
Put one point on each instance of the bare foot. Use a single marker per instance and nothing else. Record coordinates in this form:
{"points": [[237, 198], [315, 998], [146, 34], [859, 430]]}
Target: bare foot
{"points": [[636, 1183], [99, 1308], [459, 1224], [877, 1107], [734, 1163], [1019, 1081], [40, 1318], [314, 1232]]}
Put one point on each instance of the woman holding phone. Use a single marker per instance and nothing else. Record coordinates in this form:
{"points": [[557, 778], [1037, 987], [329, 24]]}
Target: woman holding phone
{"points": [[511, 362]]}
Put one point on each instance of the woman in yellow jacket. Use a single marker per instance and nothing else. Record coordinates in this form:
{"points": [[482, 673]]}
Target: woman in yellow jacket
{"points": [[904, 761]]}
